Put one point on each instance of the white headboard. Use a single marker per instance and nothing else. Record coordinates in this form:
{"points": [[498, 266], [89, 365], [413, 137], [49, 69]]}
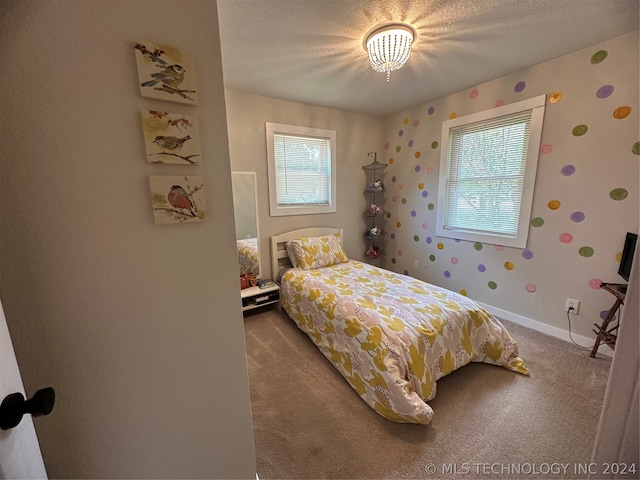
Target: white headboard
{"points": [[279, 256]]}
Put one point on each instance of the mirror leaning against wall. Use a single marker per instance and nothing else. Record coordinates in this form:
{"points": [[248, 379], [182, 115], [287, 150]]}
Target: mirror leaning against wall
{"points": [[245, 205]]}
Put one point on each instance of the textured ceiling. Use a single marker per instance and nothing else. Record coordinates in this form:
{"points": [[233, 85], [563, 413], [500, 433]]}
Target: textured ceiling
{"points": [[311, 51]]}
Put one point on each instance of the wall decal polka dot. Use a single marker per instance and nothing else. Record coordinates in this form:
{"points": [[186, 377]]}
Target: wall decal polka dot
{"points": [[401, 185], [499, 103], [499, 248], [555, 97], [393, 179], [417, 154], [425, 194], [424, 226], [577, 217], [420, 186], [604, 91], [453, 115], [399, 253], [595, 283], [537, 222], [463, 292], [454, 260], [568, 170], [474, 93], [431, 110], [430, 170], [477, 246], [400, 132], [416, 238], [618, 194], [618, 257], [605, 313], [431, 206], [530, 287], [554, 204], [428, 240], [386, 146], [391, 160], [440, 246], [586, 252], [388, 214], [621, 112], [520, 86], [416, 123], [527, 254], [509, 265], [399, 224], [447, 274], [413, 213], [398, 148], [403, 201], [566, 238], [482, 268], [636, 148], [579, 130], [434, 145], [405, 120], [545, 149], [393, 236], [410, 143], [432, 258], [393, 260], [417, 168], [598, 57], [492, 285]]}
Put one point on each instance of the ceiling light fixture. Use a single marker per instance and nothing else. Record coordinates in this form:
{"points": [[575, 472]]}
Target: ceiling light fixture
{"points": [[389, 47]]}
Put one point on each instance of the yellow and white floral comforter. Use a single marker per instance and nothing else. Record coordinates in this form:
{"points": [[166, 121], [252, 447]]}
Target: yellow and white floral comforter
{"points": [[392, 336], [248, 255]]}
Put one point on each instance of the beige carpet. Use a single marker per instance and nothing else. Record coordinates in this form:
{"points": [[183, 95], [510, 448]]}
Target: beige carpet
{"points": [[489, 422]]}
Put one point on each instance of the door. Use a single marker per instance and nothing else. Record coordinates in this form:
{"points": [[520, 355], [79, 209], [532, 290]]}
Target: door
{"points": [[20, 455]]}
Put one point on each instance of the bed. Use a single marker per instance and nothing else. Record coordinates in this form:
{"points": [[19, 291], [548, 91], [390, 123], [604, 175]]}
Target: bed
{"points": [[248, 256], [389, 335]]}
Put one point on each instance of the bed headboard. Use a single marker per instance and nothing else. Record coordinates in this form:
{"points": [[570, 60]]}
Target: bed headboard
{"points": [[279, 256]]}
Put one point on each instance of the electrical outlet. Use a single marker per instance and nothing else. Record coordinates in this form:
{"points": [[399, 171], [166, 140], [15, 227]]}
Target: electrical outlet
{"points": [[572, 306], [416, 264]]}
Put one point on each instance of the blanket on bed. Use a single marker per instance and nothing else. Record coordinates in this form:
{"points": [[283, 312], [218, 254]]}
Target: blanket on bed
{"points": [[392, 336]]}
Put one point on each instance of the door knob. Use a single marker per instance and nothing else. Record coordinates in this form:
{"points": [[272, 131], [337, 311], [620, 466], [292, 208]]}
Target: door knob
{"points": [[14, 406]]}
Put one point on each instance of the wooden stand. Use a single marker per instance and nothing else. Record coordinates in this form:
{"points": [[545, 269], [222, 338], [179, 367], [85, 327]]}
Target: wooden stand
{"points": [[603, 332]]}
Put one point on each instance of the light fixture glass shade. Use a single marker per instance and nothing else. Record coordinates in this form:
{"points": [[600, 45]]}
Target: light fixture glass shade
{"points": [[389, 47]]}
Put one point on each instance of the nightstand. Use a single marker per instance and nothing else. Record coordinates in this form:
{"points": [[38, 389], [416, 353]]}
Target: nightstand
{"points": [[606, 333], [254, 297]]}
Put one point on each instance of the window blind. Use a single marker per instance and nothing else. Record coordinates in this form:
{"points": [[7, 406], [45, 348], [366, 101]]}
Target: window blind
{"points": [[303, 170], [486, 174]]}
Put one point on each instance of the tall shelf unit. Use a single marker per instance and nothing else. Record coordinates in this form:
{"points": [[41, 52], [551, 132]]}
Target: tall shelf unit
{"points": [[374, 214]]}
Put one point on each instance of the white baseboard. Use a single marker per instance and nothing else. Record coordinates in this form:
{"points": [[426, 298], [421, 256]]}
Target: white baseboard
{"points": [[544, 328]]}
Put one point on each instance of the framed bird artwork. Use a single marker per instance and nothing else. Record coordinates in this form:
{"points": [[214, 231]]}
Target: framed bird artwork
{"points": [[166, 73], [177, 199], [171, 138]]}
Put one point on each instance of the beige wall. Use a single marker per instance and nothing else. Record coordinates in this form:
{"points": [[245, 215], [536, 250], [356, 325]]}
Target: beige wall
{"points": [[133, 324], [356, 135]]}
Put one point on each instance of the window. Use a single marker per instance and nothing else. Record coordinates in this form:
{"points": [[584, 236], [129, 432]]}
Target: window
{"points": [[302, 164], [487, 174]]}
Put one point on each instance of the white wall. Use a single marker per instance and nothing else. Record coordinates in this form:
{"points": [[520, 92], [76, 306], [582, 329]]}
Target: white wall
{"points": [[134, 324]]}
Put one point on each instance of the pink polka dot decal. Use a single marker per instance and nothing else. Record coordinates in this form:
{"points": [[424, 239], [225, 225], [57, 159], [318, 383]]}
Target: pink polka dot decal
{"points": [[416, 123], [474, 93], [386, 146], [499, 103], [566, 238], [546, 149], [530, 287], [454, 260], [595, 283]]}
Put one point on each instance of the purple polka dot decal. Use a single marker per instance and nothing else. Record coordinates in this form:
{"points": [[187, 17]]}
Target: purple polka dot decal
{"points": [[400, 132], [393, 236], [425, 194], [520, 86], [447, 273], [568, 170], [482, 268], [410, 143], [413, 213], [431, 110], [566, 238], [604, 91], [428, 240], [577, 217], [417, 168], [393, 179], [527, 254]]}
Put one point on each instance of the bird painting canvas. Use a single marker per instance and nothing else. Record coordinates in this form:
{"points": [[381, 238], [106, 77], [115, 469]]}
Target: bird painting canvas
{"points": [[177, 199], [166, 73], [171, 138]]}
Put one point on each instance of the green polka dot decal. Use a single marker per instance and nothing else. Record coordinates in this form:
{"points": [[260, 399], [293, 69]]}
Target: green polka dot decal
{"points": [[537, 222], [618, 194], [477, 246], [434, 145], [492, 285], [586, 252], [636, 148], [416, 238], [432, 258], [431, 206], [580, 130], [599, 57]]}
